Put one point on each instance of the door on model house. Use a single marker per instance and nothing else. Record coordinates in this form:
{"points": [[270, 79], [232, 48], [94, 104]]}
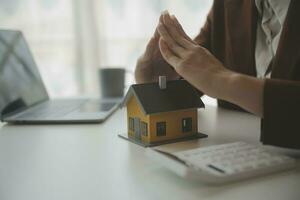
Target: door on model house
{"points": [[137, 128]]}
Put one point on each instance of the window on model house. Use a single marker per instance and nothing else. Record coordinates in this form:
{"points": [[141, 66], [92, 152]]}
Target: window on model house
{"points": [[186, 125], [161, 129], [144, 128], [131, 124]]}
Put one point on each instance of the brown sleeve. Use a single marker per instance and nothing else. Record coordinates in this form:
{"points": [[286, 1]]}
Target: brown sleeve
{"points": [[204, 37], [281, 123]]}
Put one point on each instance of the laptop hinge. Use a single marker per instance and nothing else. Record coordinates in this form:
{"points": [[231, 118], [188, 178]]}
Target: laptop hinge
{"points": [[13, 107]]}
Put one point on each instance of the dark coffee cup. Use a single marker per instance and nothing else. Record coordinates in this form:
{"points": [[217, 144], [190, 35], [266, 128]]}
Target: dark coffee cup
{"points": [[112, 82]]}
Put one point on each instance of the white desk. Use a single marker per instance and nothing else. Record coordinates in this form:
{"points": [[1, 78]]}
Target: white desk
{"points": [[70, 162]]}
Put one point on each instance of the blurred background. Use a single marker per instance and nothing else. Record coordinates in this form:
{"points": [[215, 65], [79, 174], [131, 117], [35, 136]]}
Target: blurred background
{"points": [[72, 39]]}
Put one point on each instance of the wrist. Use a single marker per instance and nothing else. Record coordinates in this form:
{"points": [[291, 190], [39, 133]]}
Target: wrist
{"points": [[244, 91], [224, 82]]}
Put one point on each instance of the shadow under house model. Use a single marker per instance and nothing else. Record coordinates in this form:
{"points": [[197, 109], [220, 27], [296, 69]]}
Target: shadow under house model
{"points": [[160, 112]]}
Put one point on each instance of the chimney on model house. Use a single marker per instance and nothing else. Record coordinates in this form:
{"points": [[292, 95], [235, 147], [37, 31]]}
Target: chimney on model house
{"points": [[162, 81]]}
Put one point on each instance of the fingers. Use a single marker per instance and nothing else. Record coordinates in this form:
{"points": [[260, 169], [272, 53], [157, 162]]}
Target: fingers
{"points": [[177, 33], [174, 43], [173, 46], [150, 49], [167, 54], [156, 34], [180, 29], [152, 44]]}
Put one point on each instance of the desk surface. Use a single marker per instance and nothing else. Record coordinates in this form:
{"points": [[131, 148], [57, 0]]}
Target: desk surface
{"points": [[75, 162]]}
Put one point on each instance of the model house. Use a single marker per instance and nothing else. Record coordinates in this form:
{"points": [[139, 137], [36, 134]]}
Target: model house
{"points": [[162, 111]]}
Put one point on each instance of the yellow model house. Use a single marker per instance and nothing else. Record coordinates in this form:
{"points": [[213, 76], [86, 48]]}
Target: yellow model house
{"points": [[162, 112]]}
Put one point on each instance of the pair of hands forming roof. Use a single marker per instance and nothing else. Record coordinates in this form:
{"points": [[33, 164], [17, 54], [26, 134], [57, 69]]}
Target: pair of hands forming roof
{"points": [[171, 46], [191, 61]]}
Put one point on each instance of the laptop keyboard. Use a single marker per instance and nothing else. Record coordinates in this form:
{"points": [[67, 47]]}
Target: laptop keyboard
{"points": [[59, 108]]}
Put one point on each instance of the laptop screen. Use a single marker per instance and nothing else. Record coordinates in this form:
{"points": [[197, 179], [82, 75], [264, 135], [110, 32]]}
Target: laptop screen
{"points": [[20, 81]]}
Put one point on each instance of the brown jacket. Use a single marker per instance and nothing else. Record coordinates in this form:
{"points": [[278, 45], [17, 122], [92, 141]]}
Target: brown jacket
{"points": [[230, 34]]}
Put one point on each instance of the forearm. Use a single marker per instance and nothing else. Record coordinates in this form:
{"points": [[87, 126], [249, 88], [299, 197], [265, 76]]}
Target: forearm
{"points": [[242, 90]]}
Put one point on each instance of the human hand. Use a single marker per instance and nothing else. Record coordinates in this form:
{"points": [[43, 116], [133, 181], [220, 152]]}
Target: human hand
{"points": [[203, 70], [190, 60], [151, 64]]}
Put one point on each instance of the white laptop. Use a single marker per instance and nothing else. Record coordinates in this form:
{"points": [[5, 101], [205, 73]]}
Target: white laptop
{"points": [[23, 96]]}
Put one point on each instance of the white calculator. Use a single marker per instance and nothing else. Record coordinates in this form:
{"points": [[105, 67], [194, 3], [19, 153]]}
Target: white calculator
{"points": [[224, 162]]}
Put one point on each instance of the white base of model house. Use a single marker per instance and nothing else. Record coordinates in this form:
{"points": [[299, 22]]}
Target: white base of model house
{"points": [[152, 144]]}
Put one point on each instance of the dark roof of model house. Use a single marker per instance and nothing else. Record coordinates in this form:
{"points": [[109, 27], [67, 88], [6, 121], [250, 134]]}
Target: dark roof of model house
{"points": [[178, 95]]}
